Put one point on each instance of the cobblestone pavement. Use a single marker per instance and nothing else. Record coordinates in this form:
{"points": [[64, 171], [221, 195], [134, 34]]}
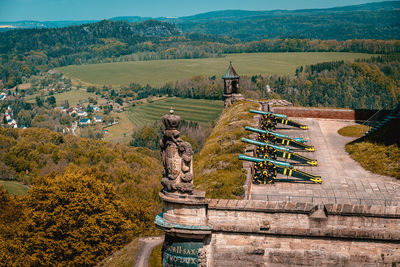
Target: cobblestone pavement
{"points": [[344, 180]]}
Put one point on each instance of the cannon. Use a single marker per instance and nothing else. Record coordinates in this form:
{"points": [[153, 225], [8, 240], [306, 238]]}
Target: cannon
{"points": [[266, 170], [261, 131], [269, 120], [268, 150], [269, 136]]}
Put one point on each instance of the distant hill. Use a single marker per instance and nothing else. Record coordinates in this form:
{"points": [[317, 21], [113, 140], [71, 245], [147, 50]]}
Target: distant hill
{"points": [[131, 18], [367, 21], [29, 24], [86, 37], [379, 20], [237, 15]]}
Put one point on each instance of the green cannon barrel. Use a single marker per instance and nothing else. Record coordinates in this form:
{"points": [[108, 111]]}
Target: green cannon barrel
{"points": [[286, 141], [286, 169], [275, 162], [258, 143], [268, 113], [284, 152], [281, 118], [260, 131]]}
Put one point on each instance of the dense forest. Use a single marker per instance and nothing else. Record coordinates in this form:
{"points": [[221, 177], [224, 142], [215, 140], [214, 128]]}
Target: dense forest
{"points": [[335, 25], [371, 84], [87, 197], [29, 51], [377, 20]]}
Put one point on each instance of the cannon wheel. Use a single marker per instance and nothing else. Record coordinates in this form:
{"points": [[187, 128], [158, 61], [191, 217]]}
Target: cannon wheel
{"points": [[268, 122], [264, 173], [267, 137], [270, 153]]}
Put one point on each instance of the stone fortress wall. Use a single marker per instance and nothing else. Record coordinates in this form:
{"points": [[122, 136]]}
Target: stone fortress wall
{"points": [[226, 233], [261, 233], [272, 233], [268, 233]]}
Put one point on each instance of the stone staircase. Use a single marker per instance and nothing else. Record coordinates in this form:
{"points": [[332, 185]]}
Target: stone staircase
{"points": [[393, 115]]}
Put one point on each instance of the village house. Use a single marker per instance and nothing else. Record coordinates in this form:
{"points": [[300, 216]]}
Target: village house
{"points": [[71, 111], [97, 119], [13, 123], [85, 121], [82, 113], [61, 108], [96, 108]]}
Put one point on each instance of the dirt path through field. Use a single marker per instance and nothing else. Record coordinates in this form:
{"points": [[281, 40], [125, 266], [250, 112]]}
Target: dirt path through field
{"points": [[148, 244]]}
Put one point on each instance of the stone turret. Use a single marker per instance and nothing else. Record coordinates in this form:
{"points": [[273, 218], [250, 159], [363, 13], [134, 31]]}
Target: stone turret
{"points": [[231, 86]]}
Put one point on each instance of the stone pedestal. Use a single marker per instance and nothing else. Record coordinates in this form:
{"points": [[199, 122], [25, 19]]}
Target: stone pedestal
{"points": [[187, 234], [237, 97]]}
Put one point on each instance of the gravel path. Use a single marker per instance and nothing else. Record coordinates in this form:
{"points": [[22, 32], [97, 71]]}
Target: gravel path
{"points": [[148, 244]]}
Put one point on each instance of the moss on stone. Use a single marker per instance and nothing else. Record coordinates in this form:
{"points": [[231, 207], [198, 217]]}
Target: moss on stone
{"points": [[217, 168]]}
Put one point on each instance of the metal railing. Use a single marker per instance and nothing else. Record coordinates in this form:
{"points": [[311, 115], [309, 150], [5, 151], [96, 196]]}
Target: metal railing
{"points": [[327, 200]]}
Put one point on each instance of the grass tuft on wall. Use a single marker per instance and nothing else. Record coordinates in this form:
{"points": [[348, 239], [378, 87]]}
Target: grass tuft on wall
{"points": [[217, 168]]}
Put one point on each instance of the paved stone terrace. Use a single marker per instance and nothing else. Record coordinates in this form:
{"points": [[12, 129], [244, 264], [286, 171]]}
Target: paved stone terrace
{"points": [[344, 180]]}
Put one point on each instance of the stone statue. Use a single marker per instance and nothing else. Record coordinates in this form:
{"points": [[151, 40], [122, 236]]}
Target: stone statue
{"points": [[177, 157]]}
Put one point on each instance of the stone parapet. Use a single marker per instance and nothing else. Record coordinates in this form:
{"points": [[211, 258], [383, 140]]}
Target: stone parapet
{"points": [[305, 208], [260, 206], [330, 113], [305, 219]]}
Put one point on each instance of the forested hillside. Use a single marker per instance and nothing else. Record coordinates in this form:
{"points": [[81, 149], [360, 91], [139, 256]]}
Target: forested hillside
{"points": [[377, 20], [68, 40], [367, 21], [311, 25], [88, 197], [25, 52], [372, 84]]}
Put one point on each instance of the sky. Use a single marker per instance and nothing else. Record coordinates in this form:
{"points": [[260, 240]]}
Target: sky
{"points": [[42, 10]]}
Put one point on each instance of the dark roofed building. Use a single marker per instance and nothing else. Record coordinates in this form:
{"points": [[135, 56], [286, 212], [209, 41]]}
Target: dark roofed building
{"points": [[231, 73], [231, 86]]}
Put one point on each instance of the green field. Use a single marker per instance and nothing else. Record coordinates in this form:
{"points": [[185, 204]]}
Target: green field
{"points": [[157, 72], [15, 188], [74, 97], [198, 110], [121, 132]]}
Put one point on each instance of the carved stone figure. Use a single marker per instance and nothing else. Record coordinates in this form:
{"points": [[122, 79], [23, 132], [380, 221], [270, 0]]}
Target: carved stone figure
{"points": [[177, 157]]}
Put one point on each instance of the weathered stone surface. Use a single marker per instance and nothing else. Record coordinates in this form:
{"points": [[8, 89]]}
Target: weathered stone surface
{"points": [[177, 158], [320, 221], [262, 250]]}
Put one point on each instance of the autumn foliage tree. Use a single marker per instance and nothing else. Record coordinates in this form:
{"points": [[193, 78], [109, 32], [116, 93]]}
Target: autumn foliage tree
{"points": [[75, 220], [13, 221]]}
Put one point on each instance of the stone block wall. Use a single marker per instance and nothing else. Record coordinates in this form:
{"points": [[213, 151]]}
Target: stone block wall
{"points": [[260, 233], [239, 249]]}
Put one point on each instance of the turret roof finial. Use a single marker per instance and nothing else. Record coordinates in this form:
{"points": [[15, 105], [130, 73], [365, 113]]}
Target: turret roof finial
{"points": [[230, 73]]}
